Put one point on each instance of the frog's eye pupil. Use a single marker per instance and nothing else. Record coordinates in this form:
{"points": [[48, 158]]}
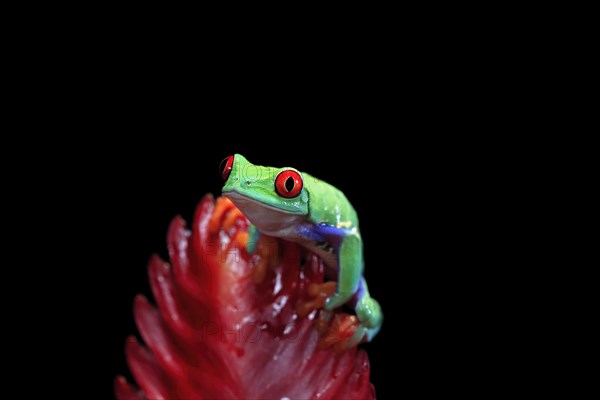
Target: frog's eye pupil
{"points": [[288, 183], [225, 167]]}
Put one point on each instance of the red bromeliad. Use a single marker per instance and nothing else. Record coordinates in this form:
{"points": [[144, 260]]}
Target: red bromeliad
{"points": [[232, 325]]}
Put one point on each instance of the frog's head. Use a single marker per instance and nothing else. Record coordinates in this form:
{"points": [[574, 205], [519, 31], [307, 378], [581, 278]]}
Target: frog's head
{"points": [[263, 193]]}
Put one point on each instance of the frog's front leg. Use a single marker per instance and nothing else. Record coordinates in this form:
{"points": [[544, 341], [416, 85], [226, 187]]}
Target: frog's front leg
{"points": [[266, 247], [253, 236]]}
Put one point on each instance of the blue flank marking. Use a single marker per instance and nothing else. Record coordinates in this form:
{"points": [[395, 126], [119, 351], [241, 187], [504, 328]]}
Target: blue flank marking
{"points": [[308, 231], [322, 233], [331, 231]]}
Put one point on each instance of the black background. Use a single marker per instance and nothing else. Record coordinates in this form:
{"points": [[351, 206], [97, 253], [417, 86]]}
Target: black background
{"points": [[127, 153], [133, 205], [124, 128], [104, 204], [119, 214]]}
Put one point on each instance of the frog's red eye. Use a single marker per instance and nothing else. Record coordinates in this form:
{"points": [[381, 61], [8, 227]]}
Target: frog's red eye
{"points": [[225, 167], [288, 183]]}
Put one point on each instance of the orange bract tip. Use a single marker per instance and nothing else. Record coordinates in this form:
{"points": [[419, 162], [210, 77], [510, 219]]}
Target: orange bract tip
{"points": [[233, 214], [258, 276], [240, 240], [222, 207]]}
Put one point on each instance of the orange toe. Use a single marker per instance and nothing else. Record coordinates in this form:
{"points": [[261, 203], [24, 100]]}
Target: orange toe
{"points": [[340, 330], [319, 292]]}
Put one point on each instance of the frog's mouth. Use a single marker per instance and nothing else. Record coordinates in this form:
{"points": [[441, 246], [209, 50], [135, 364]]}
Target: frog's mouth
{"points": [[244, 202], [265, 217]]}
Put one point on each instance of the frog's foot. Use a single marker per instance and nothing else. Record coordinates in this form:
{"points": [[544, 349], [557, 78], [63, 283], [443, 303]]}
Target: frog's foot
{"points": [[319, 293], [341, 333], [370, 316], [344, 335], [268, 250], [345, 331], [224, 216]]}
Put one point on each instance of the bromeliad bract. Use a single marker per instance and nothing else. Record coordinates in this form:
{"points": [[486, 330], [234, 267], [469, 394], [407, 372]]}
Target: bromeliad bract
{"points": [[219, 331]]}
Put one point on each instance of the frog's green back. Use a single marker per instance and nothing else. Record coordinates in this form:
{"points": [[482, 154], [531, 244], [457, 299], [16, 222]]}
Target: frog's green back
{"points": [[329, 205]]}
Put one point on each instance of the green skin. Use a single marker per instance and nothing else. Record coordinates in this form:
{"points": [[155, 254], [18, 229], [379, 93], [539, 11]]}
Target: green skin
{"points": [[321, 219]]}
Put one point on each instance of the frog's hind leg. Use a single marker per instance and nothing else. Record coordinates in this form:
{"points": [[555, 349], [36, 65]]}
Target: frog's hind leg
{"points": [[350, 267], [369, 314]]}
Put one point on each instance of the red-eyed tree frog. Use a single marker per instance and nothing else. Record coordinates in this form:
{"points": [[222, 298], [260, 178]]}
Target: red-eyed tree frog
{"points": [[292, 205]]}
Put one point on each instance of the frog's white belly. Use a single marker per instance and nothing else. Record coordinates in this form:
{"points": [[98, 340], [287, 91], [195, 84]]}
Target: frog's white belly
{"points": [[274, 222], [269, 220]]}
